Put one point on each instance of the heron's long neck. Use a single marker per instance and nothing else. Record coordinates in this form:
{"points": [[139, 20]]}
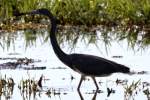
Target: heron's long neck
{"points": [[60, 54]]}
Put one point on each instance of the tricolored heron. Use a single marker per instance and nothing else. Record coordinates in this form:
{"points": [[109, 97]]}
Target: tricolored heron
{"points": [[86, 65]]}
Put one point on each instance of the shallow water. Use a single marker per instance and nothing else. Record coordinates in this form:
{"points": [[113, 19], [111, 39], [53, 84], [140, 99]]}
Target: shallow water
{"points": [[63, 82]]}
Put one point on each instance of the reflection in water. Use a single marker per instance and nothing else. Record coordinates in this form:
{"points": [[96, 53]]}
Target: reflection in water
{"points": [[29, 90], [95, 92], [30, 87], [93, 98], [6, 88]]}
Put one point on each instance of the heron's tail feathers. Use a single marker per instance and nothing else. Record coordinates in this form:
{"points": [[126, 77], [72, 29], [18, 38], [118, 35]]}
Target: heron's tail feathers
{"points": [[123, 69]]}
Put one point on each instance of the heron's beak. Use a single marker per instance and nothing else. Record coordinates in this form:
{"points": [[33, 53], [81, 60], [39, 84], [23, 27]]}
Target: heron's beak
{"points": [[33, 12], [20, 14]]}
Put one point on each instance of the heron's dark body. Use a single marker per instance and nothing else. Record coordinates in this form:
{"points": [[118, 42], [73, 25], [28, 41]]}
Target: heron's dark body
{"points": [[87, 65], [95, 66]]}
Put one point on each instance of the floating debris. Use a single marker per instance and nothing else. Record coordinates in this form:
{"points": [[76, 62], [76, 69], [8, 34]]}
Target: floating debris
{"points": [[122, 82], [95, 91], [34, 68], [13, 53], [25, 59], [145, 84], [110, 91], [55, 92], [147, 93], [139, 73], [72, 77], [8, 58], [9, 65], [117, 56], [65, 93], [142, 72], [21, 63], [58, 68]]}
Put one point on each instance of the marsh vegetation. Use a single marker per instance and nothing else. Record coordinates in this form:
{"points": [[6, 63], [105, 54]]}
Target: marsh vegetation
{"points": [[25, 58]]}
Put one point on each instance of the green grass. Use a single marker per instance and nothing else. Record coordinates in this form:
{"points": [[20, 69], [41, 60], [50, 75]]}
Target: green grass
{"points": [[91, 12]]}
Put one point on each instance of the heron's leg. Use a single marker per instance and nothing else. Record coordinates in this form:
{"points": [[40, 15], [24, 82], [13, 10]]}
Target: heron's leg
{"points": [[81, 79], [95, 83], [95, 94], [81, 97]]}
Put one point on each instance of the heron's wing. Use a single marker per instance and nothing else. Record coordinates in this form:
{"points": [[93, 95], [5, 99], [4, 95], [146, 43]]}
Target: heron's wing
{"points": [[90, 64]]}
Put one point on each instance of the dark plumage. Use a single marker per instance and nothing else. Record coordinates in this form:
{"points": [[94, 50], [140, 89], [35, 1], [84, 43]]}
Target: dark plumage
{"points": [[87, 65], [95, 66]]}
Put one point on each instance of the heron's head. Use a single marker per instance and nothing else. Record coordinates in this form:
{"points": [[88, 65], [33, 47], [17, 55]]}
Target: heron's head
{"points": [[42, 11]]}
